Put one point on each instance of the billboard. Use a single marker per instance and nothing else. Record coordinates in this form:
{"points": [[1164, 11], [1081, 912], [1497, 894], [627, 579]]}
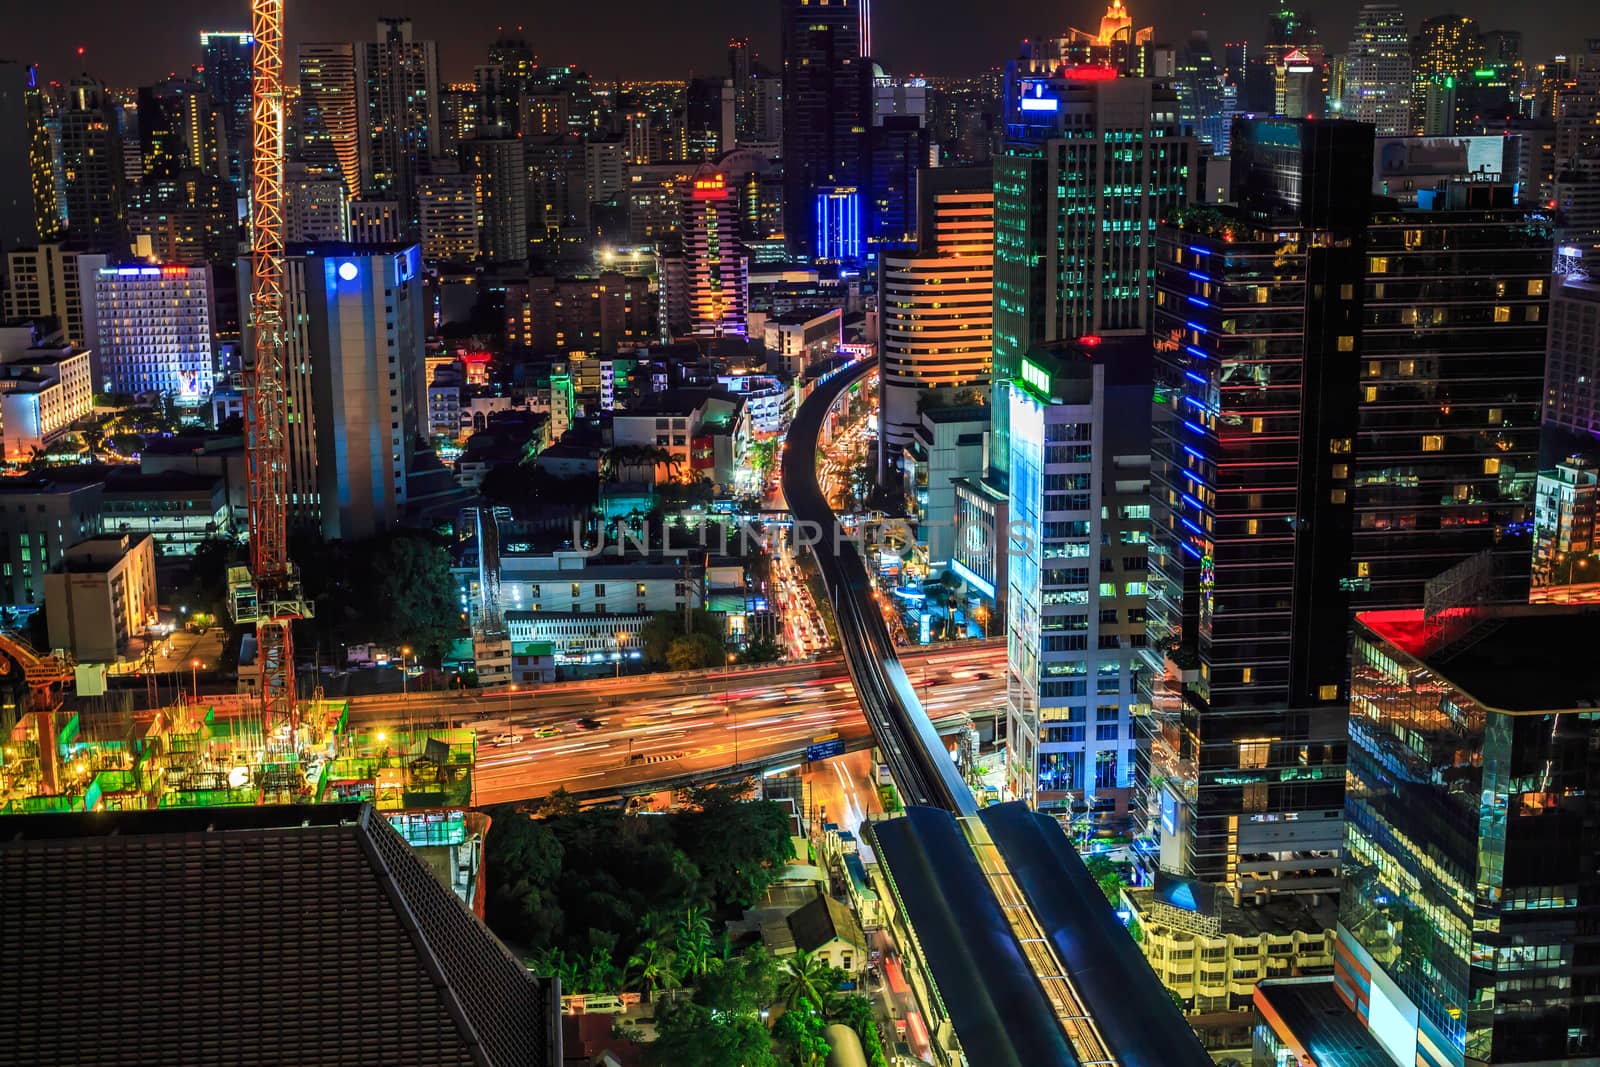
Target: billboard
{"points": [[1401, 163], [1186, 894]]}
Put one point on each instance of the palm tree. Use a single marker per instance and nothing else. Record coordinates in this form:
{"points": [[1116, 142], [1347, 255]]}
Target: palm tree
{"points": [[651, 967], [692, 942], [805, 977]]}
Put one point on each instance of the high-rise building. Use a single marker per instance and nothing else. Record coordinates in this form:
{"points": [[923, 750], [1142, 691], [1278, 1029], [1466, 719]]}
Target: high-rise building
{"points": [[330, 137], [44, 140], [741, 72], [54, 281], [397, 92], [936, 305], [226, 72], [356, 383], [500, 191], [823, 120], [315, 206], [707, 291], [1377, 77], [91, 164], [1207, 100], [604, 314], [1444, 53], [179, 130], [1469, 890], [1091, 163], [1452, 364], [896, 150], [1572, 366], [376, 222], [1079, 441], [157, 332], [1257, 328], [19, 225], [449, 207]]}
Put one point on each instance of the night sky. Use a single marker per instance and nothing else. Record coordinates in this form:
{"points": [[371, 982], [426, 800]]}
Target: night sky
{"points": [[130, 42]]}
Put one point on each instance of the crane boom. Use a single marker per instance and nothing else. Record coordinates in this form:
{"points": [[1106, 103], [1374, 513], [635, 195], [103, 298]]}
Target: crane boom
{"points": [[278, 600]]}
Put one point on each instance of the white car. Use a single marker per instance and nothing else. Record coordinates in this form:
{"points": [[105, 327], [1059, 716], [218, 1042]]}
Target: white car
{"points": [[508, 739]]}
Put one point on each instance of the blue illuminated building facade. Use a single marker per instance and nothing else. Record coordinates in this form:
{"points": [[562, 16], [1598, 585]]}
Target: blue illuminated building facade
{"points": [[1257, 328], [838, 222], [357, 386], [157, 332], [1075, 555]]}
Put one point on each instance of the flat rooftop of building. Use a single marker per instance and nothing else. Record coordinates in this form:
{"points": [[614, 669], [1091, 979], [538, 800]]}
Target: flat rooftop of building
{"points": [[1279, 915], [1521, 659], [959, 413], [47, 355], [1308, 1013], [316, 932], [132, 480]]}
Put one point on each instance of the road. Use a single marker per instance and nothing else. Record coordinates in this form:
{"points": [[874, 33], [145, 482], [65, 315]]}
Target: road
{"points": [[899, 723], [699, 730]]}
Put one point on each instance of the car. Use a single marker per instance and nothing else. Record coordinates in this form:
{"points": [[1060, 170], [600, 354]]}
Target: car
{"points": [[547, 731], [508, 739], [589, 722]]}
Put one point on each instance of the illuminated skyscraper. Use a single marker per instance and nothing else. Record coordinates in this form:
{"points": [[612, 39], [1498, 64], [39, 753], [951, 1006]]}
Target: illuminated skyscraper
{"points": [[1445, 51], [500, 191], [1090, 165], [823, 105], [225, 57], [1257, 325], [936, 305], [397, 89], [449, 209], [1207, 101], [91, 163], [157, 330], [706, 289], [179, 130], [1377, 79], [329, 128]]}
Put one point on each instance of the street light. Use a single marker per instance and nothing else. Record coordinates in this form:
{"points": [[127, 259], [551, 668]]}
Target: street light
{"points": [[405, 654], [509, 691], [622, 635], [194, 677]]}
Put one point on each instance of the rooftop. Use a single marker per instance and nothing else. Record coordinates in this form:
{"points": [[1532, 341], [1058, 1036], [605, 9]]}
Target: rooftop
{"points": [[316, 932], [1532, 659], [822, 920], [1307, 1013], [1281, 914]]}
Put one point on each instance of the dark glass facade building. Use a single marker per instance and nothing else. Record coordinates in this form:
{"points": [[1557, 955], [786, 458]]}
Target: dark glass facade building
{"points": [[1257, 325], [225, 58], [1453, 353], [823, 109], [1469, 914]]}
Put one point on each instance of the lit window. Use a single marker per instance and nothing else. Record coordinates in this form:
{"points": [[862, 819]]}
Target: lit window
{"points": [[1536, 287], [1432, 442], [1328, 692], [1341, 470], [1532, 314], [1363, 569], [1502, 313], [1496, 416], [1257, 424], [1337, 496], [1491, 465], [1252, 526], [1378, 265], [1347, 292], [1347, 343], [1372, 394], [1339, 446]]}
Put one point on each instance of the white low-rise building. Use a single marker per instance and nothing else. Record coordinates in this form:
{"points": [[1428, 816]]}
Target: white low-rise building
{"points": [[43, 391]]}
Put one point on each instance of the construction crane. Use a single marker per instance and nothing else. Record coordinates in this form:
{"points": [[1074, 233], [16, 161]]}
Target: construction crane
{"points": [[277, 601]]}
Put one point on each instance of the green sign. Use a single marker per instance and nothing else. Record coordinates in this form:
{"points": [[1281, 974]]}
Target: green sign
{"points": [[1036, 377]]}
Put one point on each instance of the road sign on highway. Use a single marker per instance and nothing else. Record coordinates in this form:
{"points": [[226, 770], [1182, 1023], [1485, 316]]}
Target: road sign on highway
{"points": [[824, 750]]}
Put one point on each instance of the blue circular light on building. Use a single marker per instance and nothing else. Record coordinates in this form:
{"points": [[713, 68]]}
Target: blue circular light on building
{"points": [[348, 271]]}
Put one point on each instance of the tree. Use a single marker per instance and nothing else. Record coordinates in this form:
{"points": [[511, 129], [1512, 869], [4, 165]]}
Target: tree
{"points": [[692, 944], [651, 967], [804, 977], [408, 594], [855, 1011], [799, 1032], [665, 627], [762, 649], [522, 903], [738, 845], [691, 1035], [1107, 875], [694, 652]]}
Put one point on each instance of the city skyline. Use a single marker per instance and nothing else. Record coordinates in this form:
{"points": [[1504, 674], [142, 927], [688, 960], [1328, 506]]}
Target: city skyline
{"points": [[912, 36]]}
